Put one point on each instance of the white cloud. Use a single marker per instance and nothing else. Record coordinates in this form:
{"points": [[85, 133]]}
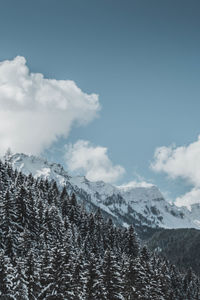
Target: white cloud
{"points": [[181, 162], [136, 184], [189, 198], [35, 111], [92, 161]]}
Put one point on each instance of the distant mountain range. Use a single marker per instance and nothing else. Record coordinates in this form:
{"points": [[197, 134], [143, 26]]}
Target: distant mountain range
{"points": [[145, 207]]}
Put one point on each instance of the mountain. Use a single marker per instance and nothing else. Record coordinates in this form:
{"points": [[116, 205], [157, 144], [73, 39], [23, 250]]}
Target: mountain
{"points": [[144, 207], [52, 249]]}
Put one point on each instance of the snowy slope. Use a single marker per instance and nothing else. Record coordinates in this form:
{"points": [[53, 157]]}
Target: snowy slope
{"points": [[141, 206]]}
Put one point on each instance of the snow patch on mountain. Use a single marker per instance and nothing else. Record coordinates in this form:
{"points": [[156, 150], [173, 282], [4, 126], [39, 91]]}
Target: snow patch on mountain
{"points": [[141, 205]]}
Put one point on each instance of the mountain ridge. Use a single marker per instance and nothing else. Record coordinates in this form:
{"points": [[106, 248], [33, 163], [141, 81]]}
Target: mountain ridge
{"points": [[140, 206]]}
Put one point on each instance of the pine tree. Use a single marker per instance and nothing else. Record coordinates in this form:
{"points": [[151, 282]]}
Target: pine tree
{"points": [[6, 276], [55, 275], [20, 286], [64, 202], [21, 211], [77, 280], [8, 225], [93, 279], [32, 277], [3, 275], [132, 246], [111, 277]]}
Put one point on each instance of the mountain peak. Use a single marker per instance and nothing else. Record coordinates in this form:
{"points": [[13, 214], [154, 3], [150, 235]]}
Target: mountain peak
{"points": [[38, 167]]}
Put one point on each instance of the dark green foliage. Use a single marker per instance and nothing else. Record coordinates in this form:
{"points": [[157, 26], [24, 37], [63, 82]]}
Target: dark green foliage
{"points": [[111, 277], [179, 246], [132, 247]]}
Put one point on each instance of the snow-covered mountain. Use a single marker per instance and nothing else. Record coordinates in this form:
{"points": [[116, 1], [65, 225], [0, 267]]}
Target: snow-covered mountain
{"points": [[141, 206]]}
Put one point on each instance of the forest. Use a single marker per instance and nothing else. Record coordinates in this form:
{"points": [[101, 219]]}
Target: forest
{"points": [[51, 248]]}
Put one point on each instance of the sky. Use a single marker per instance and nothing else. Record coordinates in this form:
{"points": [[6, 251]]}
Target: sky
{"points": [[109, 88]]}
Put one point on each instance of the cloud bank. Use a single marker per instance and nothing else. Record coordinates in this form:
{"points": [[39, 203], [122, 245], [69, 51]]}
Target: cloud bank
{"points": [[93, 161], [183, 162], [35, 111]]}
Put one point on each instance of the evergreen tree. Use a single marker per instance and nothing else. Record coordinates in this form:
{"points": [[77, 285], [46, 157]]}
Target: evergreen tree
{"points": [[20, 286], [93, 280], [132, 246], [21, 211], [32, 277], [111, 277]]}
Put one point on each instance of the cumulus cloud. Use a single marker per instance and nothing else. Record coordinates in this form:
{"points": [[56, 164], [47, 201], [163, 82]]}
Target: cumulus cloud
{"points": [[189, 198], [181, 162], [93, 161], [35, 111]]}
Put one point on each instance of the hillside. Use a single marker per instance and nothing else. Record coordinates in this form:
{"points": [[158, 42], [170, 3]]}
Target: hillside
{"points": [[51, 248], [180, 246]]}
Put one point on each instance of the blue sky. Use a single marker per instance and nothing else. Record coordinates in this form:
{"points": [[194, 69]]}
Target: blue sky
{"points": [[140, 57]]}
